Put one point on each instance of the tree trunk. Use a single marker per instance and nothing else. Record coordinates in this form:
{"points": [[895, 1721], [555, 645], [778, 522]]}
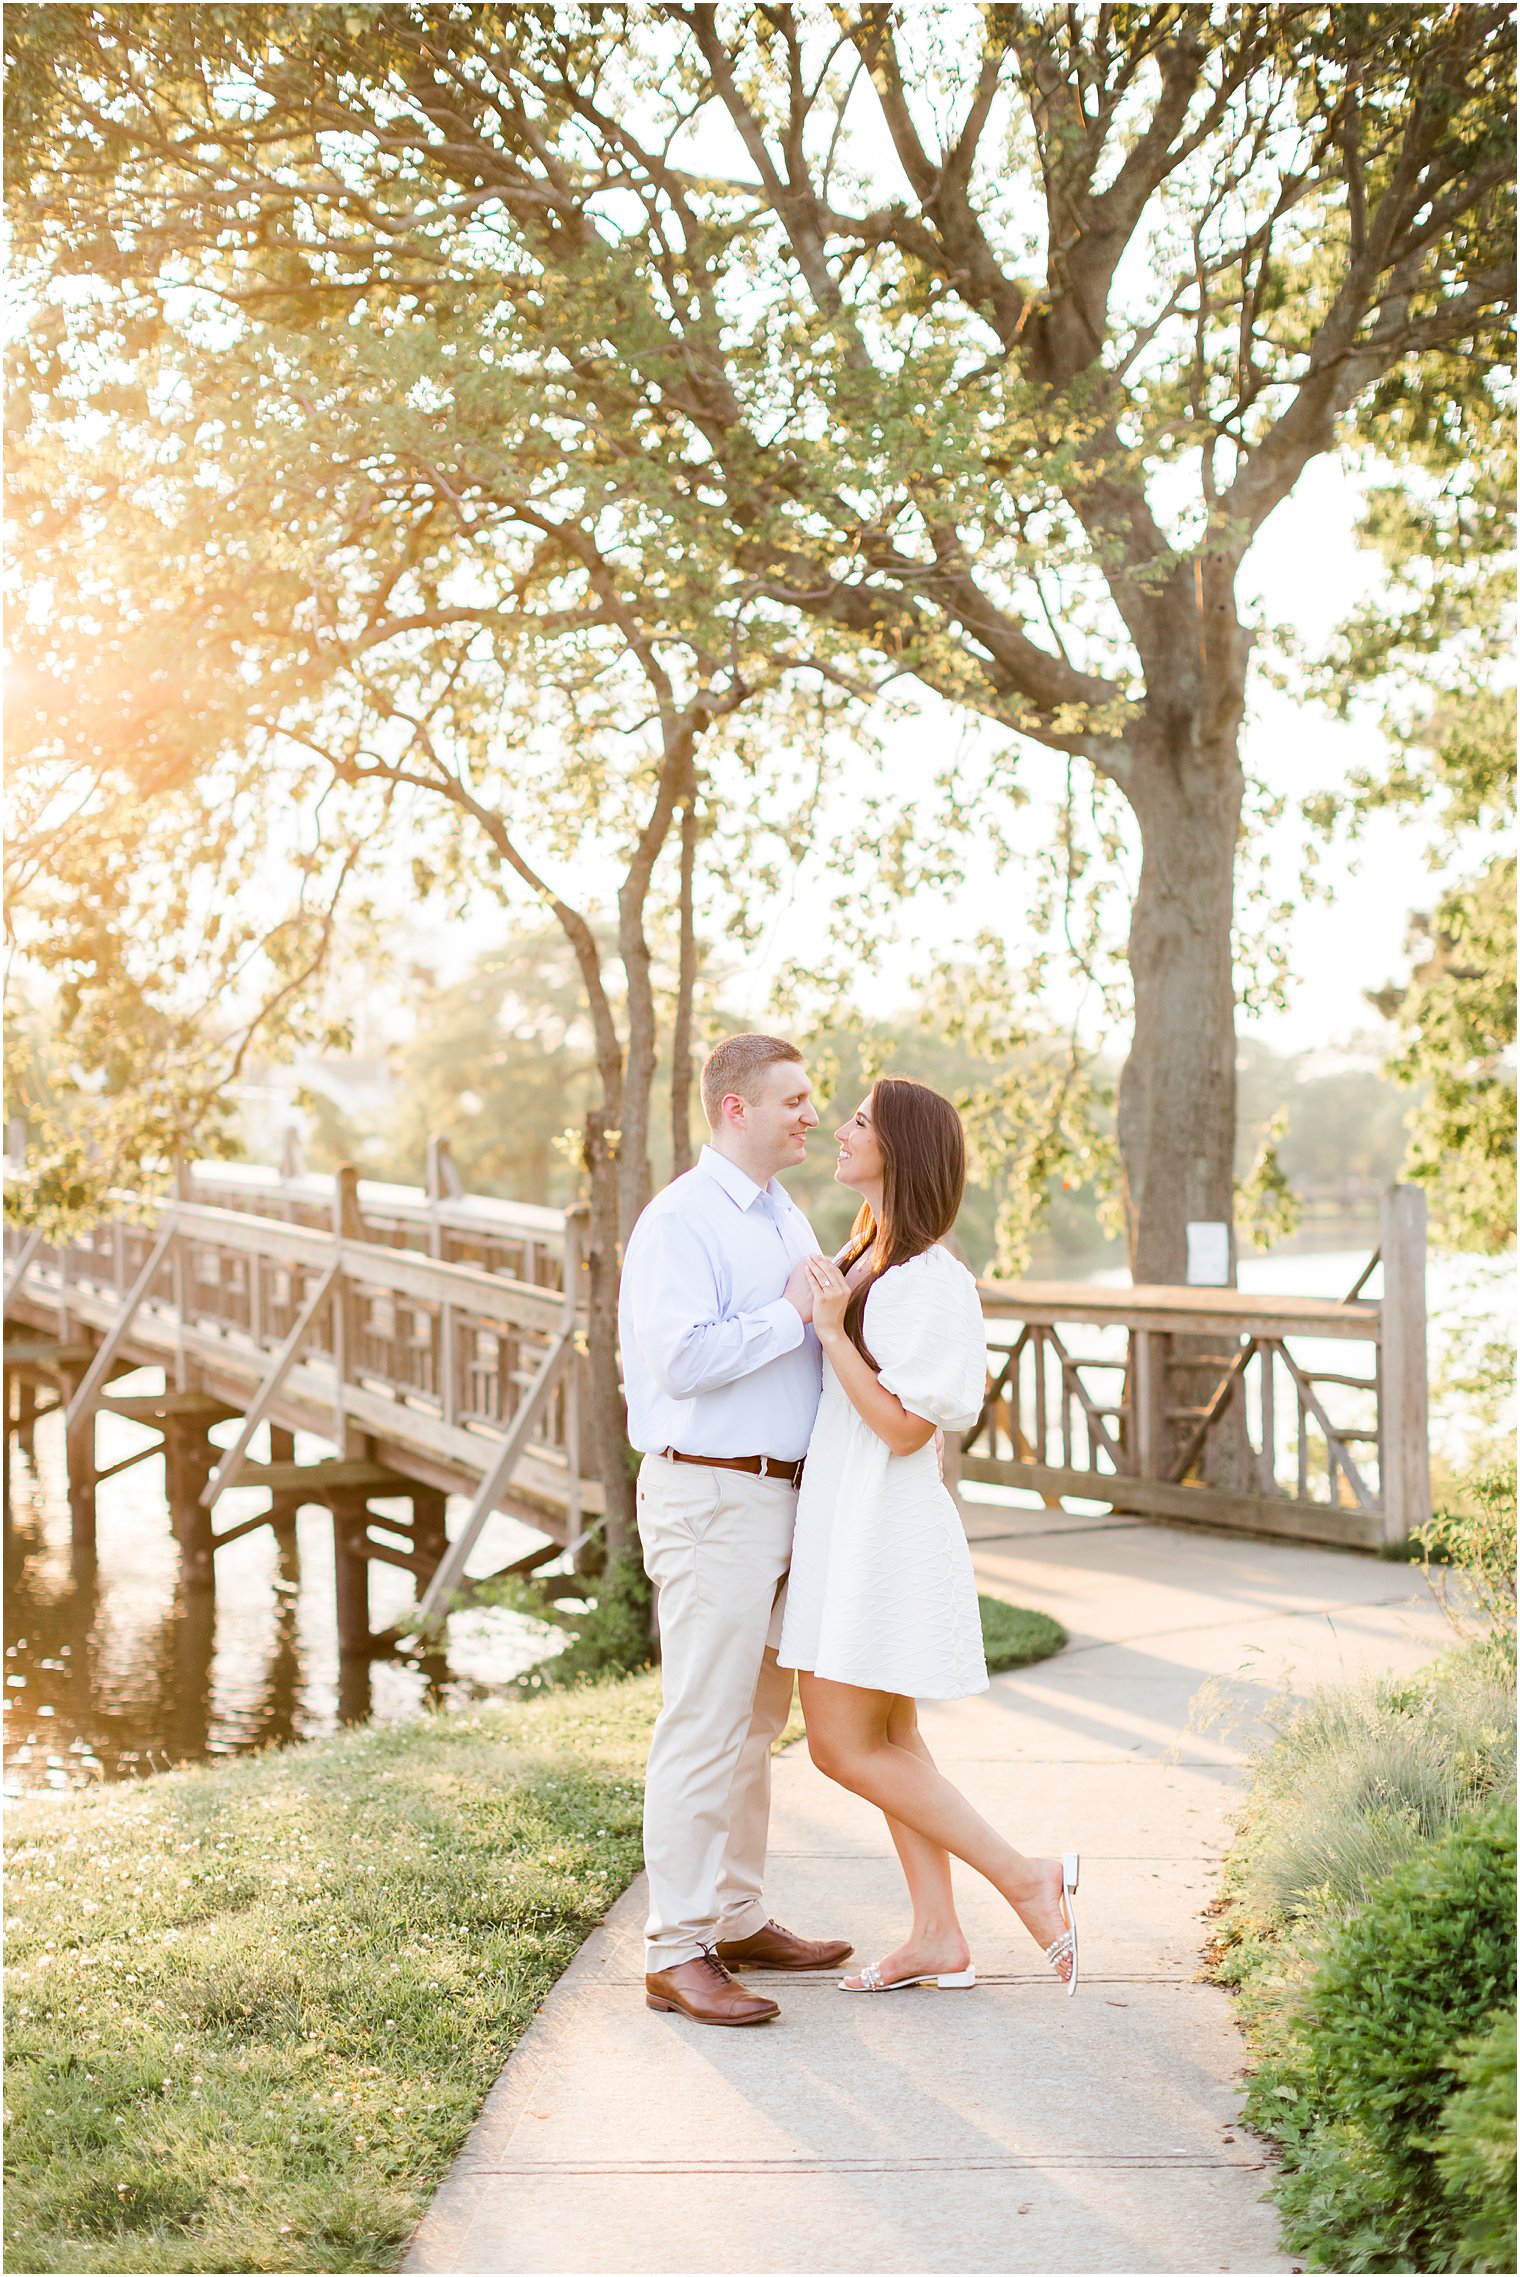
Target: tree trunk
{"points": [[1176, 1121], [686, 982], [609, 1416], [1176, 1118]]}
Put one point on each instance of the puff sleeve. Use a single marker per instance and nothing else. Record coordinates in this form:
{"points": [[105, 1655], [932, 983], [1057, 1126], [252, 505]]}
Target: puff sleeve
{"points": [[924, 1326]]}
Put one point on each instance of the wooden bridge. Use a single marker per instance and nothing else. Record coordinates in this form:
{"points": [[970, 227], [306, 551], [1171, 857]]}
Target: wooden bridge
{"points": [[436, 1342]]}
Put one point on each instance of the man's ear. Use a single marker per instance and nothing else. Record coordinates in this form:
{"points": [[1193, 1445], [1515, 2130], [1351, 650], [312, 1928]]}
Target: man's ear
{"points": [[731, 1107]]}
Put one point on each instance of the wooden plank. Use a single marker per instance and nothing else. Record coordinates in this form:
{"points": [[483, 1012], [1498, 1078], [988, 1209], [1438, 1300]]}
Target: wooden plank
{"points": [[129, 1462], [314, 1479], [1335, 1441], [1206, 1506], [451, 1564], [17, 1273], [95, 1375], [151, 1407], [1406, 1391], [45, 1352], [226, 1472], [1181, 1311]]}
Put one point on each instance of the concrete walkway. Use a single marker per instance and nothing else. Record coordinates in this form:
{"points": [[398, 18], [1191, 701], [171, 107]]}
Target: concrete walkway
{"points": [[1005, 2129]]}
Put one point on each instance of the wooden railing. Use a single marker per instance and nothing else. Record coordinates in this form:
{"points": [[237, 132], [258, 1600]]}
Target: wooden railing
{"points": [[443, 1334], [1299, 1416]]}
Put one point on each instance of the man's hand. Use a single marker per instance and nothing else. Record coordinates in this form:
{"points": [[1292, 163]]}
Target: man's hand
{"points": [[799, 1290]]}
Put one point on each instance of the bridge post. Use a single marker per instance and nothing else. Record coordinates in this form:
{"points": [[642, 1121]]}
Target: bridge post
{"points": [[429, 1532], [348, 1225], [1405, 1391], [443, 1184], [283, 1507], [79, 1450], [350, 1515], [190, 1456]]}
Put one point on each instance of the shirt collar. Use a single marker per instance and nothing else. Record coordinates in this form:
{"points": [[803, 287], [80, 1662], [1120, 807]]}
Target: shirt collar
{"points": [[737, 1184]]}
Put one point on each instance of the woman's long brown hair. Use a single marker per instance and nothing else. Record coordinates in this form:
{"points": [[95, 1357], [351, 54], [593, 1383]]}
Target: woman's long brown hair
{"points": [[923, 1160]]}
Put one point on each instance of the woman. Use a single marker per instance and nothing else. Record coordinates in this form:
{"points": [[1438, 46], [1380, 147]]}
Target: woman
{"points": [[881, 1604]]}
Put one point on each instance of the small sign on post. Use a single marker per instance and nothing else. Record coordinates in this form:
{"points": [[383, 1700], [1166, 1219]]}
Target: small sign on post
{"points": [[1208, 1253]]}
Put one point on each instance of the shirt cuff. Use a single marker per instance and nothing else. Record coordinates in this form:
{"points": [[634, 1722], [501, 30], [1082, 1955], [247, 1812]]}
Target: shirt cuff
{"points": [[786, 1323]]}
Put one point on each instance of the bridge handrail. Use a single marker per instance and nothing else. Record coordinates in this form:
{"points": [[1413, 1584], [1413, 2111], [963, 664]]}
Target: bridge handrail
{"points": [[486, 1296], [384, 1203], [1181, 1311]]}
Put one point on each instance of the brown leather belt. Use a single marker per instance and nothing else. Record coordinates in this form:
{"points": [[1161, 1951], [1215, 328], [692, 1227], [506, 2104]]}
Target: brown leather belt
{"points": [[758, 1466]]}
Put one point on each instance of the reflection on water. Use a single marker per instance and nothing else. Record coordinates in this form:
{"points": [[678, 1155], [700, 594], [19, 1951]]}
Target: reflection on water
{"points": [[117, 1669]]}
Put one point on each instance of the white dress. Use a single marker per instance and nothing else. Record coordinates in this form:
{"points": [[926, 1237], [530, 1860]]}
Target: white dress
{"points": [[881, 1591]]}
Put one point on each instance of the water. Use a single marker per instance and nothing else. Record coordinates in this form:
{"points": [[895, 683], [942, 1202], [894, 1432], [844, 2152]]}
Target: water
{"points": [[117, 1672], [113, 1674]]}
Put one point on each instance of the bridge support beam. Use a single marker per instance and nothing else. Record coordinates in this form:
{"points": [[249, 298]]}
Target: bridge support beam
{"points": [[284, 1507], [79, 1447], [190, 1456], [429, 1533], [350, 1517]]}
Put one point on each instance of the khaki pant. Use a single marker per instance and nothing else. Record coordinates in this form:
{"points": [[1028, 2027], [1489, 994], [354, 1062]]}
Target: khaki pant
{"points": [[716, 1546]]}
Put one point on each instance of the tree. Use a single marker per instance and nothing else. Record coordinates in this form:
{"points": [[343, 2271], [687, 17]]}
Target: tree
{"points": [[994, 353], [1434, 655], [348, 573]]}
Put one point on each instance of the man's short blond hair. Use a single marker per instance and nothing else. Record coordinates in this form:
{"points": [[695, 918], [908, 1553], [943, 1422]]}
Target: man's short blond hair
{"points": [[734, 1064]]}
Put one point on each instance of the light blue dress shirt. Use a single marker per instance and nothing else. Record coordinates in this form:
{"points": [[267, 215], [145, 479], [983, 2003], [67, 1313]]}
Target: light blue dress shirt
{"points": [[716, 1361]]}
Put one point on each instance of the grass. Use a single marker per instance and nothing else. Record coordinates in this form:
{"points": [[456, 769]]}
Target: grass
{"points": [[1362, 1775], [1012, 1636], [254, 2008]]}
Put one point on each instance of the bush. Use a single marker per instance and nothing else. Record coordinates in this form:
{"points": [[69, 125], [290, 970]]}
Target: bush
{"points": [[1012, 1636], [1479, 1543], [1364, 1775], [1418, 1971], [613, 1636], [1475, 2149]]}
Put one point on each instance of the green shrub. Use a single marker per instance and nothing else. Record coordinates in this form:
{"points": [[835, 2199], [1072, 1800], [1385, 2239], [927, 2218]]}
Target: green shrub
{"points": [[1012, 1636], [612, 1636], [1479, 1544], [1475, 2149], [1364, 1775], [1359, 2093]]}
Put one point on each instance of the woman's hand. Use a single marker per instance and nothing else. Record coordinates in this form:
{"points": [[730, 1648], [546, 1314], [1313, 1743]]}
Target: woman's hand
{"points": [[831, 1293]]}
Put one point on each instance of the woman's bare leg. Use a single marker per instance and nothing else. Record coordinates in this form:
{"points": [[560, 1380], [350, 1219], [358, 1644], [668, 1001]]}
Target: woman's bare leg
{"points": [[936, 1942], [849, 1739]]}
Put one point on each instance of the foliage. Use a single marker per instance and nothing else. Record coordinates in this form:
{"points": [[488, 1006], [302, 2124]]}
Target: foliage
{"points": [[500, 1063], [1368, 1930], [1361, 1777], [1417, 1971], [1475, 2149], [380, 329], [1433, 652], [1035, 1123], [293, 1978], [1013, 1636], [1478, 1544], [1267, 1210], [1457, 1018], [608, 1620]]}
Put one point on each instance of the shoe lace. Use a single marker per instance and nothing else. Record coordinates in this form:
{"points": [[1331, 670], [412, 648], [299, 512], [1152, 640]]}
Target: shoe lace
{"points": [[710, 1957]]}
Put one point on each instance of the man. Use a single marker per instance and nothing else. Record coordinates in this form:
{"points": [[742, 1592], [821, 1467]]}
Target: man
{"points": [[722, 1374]]}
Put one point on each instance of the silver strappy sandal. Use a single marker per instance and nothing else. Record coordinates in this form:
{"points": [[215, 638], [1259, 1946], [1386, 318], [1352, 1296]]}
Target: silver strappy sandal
{"points": [[1064, 1948], [871, 1980]]}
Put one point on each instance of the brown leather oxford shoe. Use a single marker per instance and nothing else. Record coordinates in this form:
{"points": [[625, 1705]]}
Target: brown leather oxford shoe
{"points": [[703, 1990], [776, 1948]]}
